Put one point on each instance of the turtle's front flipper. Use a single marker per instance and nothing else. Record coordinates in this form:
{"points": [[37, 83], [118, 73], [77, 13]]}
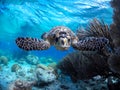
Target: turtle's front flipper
{"points": [[32, 43], [91, 44]]}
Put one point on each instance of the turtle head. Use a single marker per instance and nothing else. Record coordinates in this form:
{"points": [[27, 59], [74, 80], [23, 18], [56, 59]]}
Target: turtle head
{"points": [[62, 43], [62, 38]]}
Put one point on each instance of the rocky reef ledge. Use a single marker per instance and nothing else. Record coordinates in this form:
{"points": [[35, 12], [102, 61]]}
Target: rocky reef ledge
{"points": [[38, 75]]}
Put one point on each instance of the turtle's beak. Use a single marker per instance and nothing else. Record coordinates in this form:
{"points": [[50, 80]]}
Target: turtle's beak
{"points": [[62, 44], [64, 41]]}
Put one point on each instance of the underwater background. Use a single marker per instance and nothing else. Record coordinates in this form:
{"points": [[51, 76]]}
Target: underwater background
{"points": [[32, 18]]}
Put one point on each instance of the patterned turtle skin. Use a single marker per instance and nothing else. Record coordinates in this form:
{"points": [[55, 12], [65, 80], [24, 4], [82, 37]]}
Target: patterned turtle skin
{"points": [[62, 38]]}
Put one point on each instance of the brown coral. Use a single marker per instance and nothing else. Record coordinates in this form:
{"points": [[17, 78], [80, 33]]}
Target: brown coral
{"points": [[96, 28], [83, 65]]}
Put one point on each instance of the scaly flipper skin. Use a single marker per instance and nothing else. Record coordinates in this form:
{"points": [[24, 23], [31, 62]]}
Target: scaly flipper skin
{"points": [[91, 44], [27, 43]]}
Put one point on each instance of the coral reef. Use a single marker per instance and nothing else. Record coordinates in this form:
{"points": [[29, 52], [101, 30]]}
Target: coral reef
{"points": [[15, 67], [0, 68], [114, 59], [114, 63], [21, 73], [113, 83], [3, 60], [53, 65], [46, 60], [21, 85], [115, 27], [96, 28], [83, 65], [45, 74], [32, 59], [92, 70], [21, 60], [66, 84], [106, 63]]}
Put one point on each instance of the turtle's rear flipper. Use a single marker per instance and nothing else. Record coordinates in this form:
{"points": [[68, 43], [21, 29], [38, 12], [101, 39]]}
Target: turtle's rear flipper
{"points": [[32, 43], [91, 44]]}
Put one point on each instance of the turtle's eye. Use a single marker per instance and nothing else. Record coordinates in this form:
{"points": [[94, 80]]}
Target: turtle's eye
{"points": [[56, 39], [68, 40], [53, 35]]}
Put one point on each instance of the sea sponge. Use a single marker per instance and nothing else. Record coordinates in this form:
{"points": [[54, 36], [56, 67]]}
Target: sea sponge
{"points": [[3, 60], [15, 67], [83, 65]]}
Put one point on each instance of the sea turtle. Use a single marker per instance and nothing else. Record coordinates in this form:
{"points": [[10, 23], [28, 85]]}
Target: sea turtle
{"points": [[62, 38]]}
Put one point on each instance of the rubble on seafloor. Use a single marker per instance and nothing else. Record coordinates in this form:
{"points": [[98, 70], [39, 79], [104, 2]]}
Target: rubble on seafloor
{"points": [[25, 76], [34, 60], [23, 70]]}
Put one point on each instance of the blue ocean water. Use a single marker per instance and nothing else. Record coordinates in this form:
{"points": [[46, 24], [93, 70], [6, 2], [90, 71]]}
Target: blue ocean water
{"points": [[33, 17]]}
